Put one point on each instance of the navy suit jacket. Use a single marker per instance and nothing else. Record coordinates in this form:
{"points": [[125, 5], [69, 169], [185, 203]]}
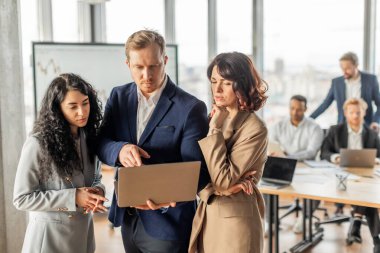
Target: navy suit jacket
{"points": [[171, 135], [337, 92]]}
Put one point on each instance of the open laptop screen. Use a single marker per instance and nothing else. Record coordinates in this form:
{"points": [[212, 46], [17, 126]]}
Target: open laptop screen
{"points": [[278, 169]]}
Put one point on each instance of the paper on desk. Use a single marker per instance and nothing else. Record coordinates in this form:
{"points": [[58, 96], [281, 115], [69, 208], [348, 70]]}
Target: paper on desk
{"points": [[314, 179], [313, 171], [319, 164], [324, 172]]}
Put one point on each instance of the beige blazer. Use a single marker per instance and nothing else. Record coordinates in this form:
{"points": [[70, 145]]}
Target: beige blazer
{"points": [[55, 223], [231, 223]]}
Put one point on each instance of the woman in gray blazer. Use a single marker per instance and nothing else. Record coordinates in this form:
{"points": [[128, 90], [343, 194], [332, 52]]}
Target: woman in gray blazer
{"points": [[57, 180]]}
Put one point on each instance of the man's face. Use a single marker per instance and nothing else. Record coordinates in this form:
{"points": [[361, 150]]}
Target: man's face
{"points": [[354, 115], [349, 69], [147, 68], [297, 110]]}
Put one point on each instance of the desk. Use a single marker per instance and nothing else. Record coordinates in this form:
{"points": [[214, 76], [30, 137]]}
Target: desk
{"points": [[320, 184]]}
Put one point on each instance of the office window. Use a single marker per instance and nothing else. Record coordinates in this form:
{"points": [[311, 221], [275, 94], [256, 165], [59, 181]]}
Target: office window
{"points": [[234, 24], [303, 41], [29, 33], [65, 20], [377, 47], [191, 36], [127, 16]]}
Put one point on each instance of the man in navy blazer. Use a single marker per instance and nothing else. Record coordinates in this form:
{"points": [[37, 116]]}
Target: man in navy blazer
{"points": [[151, 121], [353, 84]]}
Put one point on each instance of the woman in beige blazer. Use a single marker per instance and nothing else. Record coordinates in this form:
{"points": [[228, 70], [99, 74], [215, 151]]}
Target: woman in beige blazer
{"points": [[231, 220], [57, 180]]}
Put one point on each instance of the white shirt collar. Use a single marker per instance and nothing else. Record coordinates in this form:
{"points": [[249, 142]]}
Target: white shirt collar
{"points": [[351, 131], [354, 81], [155, 96], [300, 124]]}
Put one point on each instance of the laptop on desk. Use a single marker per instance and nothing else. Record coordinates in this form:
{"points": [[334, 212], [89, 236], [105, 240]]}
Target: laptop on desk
{"points": [[360, 158], [278, 172]]}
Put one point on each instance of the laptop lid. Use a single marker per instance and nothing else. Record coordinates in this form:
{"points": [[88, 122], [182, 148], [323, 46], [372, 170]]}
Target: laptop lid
{"points": [[360, 158], [279, 170], [161, 183]]}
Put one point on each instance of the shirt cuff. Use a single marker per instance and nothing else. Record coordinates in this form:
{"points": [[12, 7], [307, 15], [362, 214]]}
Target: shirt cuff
{"points": [[334, 157]]}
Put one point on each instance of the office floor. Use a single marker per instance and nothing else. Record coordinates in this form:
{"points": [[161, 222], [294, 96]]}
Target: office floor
{"points": [[109, 239]]}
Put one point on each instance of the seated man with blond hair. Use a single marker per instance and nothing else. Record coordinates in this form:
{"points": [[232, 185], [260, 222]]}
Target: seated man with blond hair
{"points": [[354, 134]]}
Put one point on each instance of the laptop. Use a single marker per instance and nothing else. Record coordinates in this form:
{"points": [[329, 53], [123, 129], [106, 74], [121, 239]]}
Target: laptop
{"points": [[161, 183], [278, 172], [360, 158]]}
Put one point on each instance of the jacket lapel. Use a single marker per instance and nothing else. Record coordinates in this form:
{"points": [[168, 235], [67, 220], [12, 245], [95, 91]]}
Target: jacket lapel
{"points": [[343, 94], [365, 137], [159, 112], [344, 137], [87, 165], [363, 82], [230, 131], [132, 113]]}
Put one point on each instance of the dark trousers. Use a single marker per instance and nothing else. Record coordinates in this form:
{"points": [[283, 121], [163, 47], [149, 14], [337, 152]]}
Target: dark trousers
{"points": [[136, 240], [372, 218]]}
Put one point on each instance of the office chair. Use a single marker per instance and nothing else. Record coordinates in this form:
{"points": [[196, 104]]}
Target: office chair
{"points": [[296, 207]]}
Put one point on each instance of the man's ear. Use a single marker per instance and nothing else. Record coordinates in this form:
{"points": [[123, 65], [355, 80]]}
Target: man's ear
{"points": [[166, 59], [127, 62]]}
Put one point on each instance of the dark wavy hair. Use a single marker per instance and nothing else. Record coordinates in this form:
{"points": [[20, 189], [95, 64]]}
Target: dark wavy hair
{"points": [[53, 130], [247, 84]]}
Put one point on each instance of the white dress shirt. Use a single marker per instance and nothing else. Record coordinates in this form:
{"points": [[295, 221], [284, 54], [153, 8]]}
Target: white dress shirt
{"points": [[354, 141], [145, 107], [353, 88], [300, 142]]}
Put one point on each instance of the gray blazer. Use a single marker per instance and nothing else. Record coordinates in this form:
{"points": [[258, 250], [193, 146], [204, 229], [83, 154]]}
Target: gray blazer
{"points": [[55, 223]]}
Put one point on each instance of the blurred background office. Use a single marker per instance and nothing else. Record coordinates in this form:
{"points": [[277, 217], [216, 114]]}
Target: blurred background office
{"points": [[296, 44]]}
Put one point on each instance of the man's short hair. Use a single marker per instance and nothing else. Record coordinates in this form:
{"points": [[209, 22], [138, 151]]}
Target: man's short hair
{"points": [[299, 98], [355, 101], [143, 39], [350, 56]]}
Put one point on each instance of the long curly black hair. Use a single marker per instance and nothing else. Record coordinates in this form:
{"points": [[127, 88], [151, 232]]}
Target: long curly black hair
{"points": [[53, 130]]}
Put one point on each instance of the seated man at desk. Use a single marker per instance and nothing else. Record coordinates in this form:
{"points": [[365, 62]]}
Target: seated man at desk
{"points": [[299, 137], [354, 134]]}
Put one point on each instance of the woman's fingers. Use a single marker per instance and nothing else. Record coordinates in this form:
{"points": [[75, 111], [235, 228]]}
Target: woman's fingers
{"points": [[98, 197], [248, 184]]}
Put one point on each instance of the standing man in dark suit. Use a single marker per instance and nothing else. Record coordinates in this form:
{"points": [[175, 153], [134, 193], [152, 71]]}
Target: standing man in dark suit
{"points": [[353, 84], [152, 121], [354, 135]]}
